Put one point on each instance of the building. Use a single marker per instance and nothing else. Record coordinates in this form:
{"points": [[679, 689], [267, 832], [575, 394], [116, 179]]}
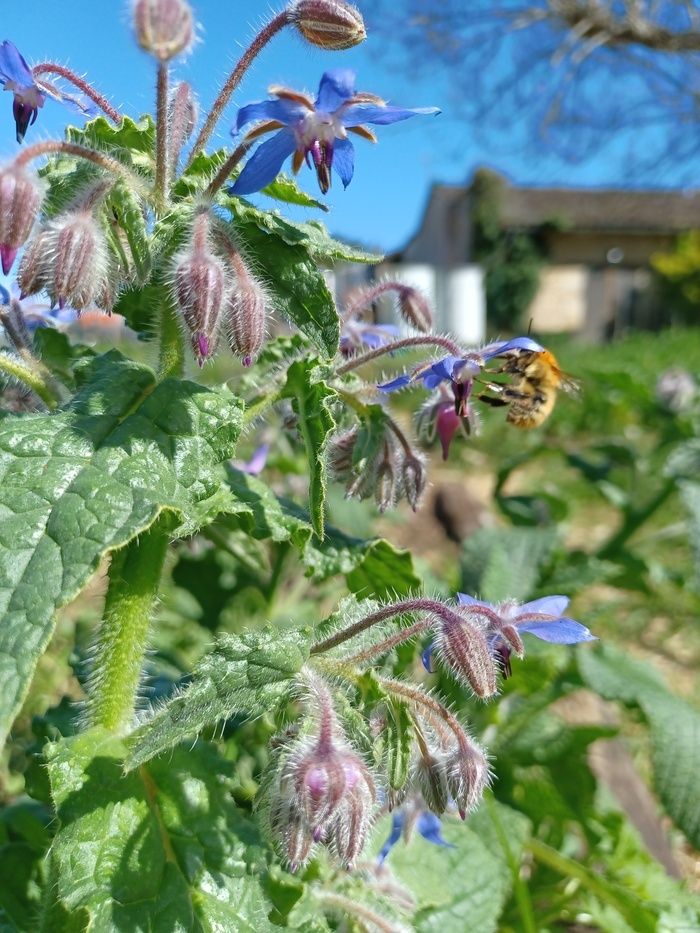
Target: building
{"points": [[590, 251]]}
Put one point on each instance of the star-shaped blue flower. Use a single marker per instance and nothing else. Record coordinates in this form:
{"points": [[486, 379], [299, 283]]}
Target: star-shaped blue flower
{"points": [[315, 131], [402, 822], [30, 93]]}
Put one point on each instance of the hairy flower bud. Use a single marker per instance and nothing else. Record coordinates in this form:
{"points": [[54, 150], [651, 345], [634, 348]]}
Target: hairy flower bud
{"points": [[467, 776], [464, 649], [246, 312], [415, 308], [329, 24], [385, 481], [20, 200], [199, 278], [163, 27], [431, 775], [182, 119], [77, 260], [339, 454], [34, 274], [413, 479]]}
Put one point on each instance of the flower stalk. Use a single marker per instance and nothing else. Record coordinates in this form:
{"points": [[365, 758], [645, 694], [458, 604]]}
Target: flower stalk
{"points": [[83, 85], [162, 160], [429, 340]]}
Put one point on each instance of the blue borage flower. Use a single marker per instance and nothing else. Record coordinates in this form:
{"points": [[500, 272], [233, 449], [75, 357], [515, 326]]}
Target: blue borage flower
{"points": [[315, 131], [358, 334], [504, 622], [37, 310], [29, 92], [403, 821]]}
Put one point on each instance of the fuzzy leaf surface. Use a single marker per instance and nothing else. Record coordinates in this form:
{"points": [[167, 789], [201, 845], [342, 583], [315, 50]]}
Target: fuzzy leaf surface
{"points": [[311, 401], [77, 484], [675, 729], [245, 674], [164, 848]]}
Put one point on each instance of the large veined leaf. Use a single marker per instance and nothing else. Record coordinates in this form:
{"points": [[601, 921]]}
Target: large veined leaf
{"points": [[505, 563], [77, 484], [371, 567], [245, 674], [162, 848], [463, 888], [311, 401], [675, 729]]}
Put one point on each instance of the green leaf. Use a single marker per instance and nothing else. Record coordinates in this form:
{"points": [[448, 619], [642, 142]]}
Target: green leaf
{"points": [[311, 235], [371, 567], [58, 353], [285, 189], [464, 888], [505, 563], [690, 497], [245, 674], [297, 286], [675, 729], [87, 480], [311, 401], [164, 848]]}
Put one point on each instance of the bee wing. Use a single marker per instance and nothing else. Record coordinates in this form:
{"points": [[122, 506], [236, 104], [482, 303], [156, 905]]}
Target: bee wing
{"points": [[570, 385]]}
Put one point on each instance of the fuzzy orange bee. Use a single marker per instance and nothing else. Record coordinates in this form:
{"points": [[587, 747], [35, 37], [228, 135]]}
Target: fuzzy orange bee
{"points": [[532, 394]]}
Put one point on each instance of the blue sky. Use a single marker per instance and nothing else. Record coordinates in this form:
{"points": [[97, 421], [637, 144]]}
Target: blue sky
{"points": [[384, 203]]}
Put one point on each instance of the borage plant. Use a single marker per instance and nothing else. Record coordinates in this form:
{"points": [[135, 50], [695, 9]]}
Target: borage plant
{"points": [[324, 724]]}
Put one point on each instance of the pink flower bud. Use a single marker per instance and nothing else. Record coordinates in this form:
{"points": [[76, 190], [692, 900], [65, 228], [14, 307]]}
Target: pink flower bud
{"points": [[77, 259], [20, 200], [349, 831], [199, 278], [34, 273], [329, 24], [246, 312], [339, 454], [415, 308], [464, 649], [163, 27]]}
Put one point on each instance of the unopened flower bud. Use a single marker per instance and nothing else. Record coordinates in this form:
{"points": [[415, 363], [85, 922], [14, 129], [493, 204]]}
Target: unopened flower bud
{"points": [[329, 24], [385, 481], [34, 275], [464, 649], [246, 312], [199, 279], [349, 831], [467, 776], [431, 774], [182, 119], [413, 478], [415, 308], [340, 453], [20, 200], [163, 27], [78, 264]]}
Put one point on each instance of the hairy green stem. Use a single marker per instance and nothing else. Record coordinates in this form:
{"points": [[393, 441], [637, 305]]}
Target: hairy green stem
{"points": [[234, 79], [134, 575], [171, 359], [33, 375], [428, 340], [162, 159]]}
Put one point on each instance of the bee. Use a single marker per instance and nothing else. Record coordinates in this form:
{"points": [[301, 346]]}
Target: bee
{"points": [[532, 393]]}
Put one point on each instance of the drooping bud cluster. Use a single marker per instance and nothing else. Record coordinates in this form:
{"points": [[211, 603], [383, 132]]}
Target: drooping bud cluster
{"points": [[329, 24], [164, 28], [379, 462], [68, 257], [357, 333], [323, 792], [20, 200]]}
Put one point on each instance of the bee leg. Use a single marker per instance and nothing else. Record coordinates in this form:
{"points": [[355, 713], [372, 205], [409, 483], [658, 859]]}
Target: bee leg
{"points": [[494, 402]]}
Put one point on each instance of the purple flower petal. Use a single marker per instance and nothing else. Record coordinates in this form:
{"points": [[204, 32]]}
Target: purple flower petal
{"points": [[551, 605], [465, 600], [399, 383], [442, 371], [397, 823], [335, 88], [257, 462], [344, 160], [561, 632], [4, 296], [517, 343], [382, 115], [286, 111], [447, 423], [427, 658], [430, 827], [13, 67], [264, 165]]}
